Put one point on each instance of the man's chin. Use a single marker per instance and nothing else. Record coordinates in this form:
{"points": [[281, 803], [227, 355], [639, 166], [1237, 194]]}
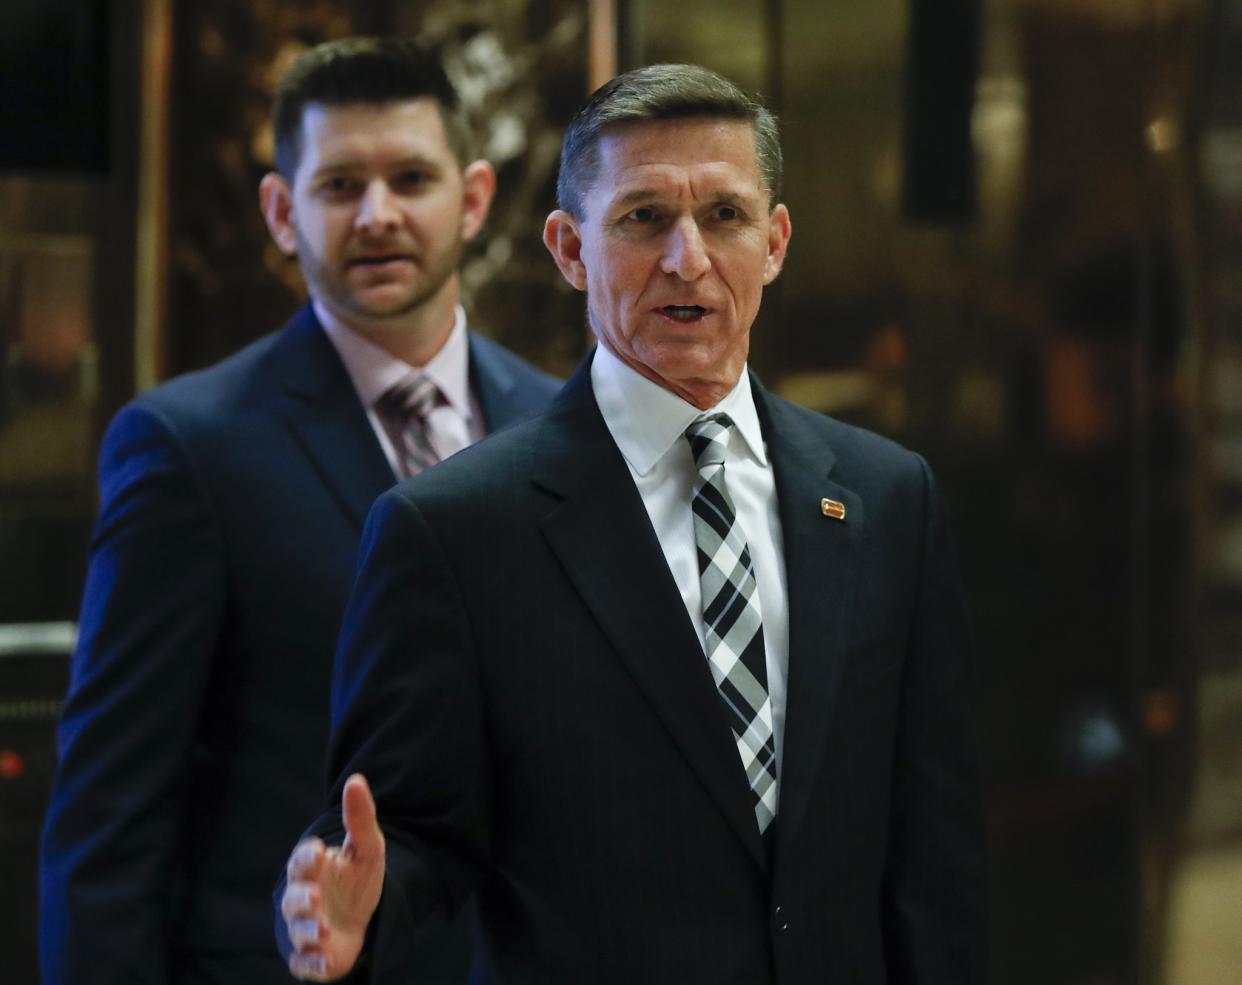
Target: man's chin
{"points": [[701, 385], [377, 307], [692, 364]]}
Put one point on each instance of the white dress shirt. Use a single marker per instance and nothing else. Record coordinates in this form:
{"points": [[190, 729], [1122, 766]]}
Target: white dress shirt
{"points": [[648, 424], [451, 426]]}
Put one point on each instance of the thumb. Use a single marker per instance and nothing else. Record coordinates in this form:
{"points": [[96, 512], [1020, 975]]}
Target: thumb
{"points": [[364, 840]]}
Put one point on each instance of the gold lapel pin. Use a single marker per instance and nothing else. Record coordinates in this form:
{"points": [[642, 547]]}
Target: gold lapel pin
{"points": [[830, 507]]}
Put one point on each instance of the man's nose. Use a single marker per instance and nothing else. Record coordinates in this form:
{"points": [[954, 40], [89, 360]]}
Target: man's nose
{"points": [[685, 253], [378, 208]]}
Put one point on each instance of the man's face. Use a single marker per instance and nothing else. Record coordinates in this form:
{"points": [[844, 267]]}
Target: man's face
{"points": [[378, 209], [674, 250]]}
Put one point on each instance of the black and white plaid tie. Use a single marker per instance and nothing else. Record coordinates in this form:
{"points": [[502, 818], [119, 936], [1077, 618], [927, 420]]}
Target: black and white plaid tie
{"points": [[404, 408], [731, 619]]}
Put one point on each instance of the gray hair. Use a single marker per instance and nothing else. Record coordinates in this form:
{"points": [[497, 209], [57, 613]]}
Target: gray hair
{"points": [[661, 92]]}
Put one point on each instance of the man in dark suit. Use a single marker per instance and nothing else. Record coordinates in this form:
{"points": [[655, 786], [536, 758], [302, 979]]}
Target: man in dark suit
{"points": [[673, 676], [232, 501]]}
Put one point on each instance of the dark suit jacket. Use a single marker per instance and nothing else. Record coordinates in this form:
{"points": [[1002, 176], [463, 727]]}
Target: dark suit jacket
{"points": [[520, 683], [192, 740]]}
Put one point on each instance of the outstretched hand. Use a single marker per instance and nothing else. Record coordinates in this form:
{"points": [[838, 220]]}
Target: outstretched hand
{"points": [[331, 893]]}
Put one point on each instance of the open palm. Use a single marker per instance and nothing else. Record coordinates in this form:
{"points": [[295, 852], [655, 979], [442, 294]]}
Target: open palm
{"points": [[331, 893]]}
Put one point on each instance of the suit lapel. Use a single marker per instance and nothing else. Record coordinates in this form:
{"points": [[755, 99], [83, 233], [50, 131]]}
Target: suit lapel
{"points": [[328, 421], [498, 392], [821, 564], [602, 535]]}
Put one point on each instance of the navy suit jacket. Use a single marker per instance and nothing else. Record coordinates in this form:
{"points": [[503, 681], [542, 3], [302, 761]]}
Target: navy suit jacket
{"points": [[520, 682], [193, 735]]}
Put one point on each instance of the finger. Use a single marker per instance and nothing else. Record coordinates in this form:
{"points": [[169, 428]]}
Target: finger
{"points": [[364, 839], [300, 899], [305, 933], [305, 859], [309, 967]]}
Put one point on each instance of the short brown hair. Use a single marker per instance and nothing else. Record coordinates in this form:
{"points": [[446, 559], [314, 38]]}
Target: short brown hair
{"points": [[363, 70]]}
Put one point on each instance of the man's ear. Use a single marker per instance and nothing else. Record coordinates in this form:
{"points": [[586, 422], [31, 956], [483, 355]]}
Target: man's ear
{"points": [[779, 231], [276, 202], [564, 241], [478, 189]]}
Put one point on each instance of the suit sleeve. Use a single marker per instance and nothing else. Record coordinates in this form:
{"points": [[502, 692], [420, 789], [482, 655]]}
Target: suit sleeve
{"points": [[407, 714], [933, 900], [149, 626]]}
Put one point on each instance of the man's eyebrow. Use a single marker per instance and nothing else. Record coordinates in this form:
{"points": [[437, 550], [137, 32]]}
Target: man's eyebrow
{"points": [[648, 194], [636, 195], [347, 164]]}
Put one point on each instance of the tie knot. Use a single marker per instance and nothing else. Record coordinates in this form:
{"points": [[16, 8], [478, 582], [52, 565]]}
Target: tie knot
{"points": [[413, 398], [709, 437]]}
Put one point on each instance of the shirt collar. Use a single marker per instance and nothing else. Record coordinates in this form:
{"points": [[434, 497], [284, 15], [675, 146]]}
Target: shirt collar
{"points": [[645, 419], [374, 371]]}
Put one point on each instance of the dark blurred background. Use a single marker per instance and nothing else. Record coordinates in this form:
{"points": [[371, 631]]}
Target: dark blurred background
{"points": [[1017, 248]]}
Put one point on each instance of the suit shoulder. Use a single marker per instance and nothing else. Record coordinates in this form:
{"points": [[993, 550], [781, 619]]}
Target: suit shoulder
{"points": [[524, 373], [199, 409], [851, 444], [491, 470], [217, 387]]}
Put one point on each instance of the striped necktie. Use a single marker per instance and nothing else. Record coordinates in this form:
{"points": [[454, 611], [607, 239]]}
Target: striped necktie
{"points": [[404, 408], [733, 627]]}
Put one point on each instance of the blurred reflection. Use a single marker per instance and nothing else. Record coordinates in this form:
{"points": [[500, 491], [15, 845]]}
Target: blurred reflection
{"points": [[49, 367], [48, 386], [1039, 356]]}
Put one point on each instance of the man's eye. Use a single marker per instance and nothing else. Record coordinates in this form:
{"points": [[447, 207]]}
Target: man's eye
{"points": [[727, 213], [642, 214], [339, 185], [410, 179]]}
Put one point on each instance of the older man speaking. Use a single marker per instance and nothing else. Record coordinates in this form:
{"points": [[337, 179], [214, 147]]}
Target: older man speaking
{"points": [[674, 676]]}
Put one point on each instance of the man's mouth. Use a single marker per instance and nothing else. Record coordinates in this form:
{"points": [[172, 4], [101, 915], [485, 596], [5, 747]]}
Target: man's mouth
{"points": [[377, 260], [684, 312]]}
